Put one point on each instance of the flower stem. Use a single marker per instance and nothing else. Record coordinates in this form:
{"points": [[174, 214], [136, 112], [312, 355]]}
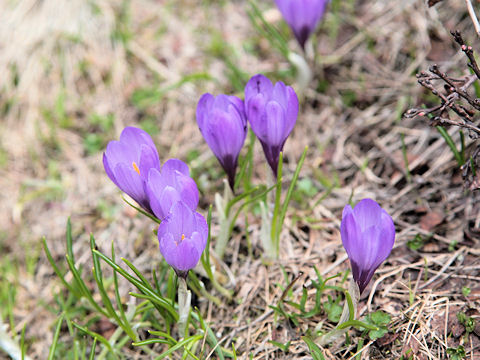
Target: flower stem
{"points": [[224, 219], [184, 298], [304, 73]]}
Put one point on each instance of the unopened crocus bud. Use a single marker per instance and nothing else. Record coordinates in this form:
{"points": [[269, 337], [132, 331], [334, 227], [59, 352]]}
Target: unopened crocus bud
{"points": [[182, 237], [302, 16], [368, 235], [272, 111], [169, 185], [127, 163], [223, 124]]}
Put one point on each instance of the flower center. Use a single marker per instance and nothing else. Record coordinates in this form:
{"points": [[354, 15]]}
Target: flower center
{"points": [[135, 167], [178, 242]]}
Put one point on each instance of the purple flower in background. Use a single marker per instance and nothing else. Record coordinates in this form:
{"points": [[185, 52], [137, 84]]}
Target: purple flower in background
{"points": [[272, 112], [182, 237], [169, 185], [127, 163], [223, 124], [368, 234], [302, 16]]}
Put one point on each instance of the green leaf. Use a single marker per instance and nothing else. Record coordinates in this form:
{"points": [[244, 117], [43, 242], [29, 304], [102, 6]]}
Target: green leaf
{"points": [[51, 352], [380, 318], [334, 311], [315, 351]]}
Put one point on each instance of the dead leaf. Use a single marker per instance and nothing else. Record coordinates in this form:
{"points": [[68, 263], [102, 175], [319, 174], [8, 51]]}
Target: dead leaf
{"points": [[430, 220]]}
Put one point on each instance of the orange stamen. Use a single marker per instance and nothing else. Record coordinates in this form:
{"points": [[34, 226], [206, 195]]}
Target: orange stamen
{"points": [[135, 167]]}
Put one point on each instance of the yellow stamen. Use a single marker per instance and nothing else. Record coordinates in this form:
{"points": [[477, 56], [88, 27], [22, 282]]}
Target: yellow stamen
{"points": [[183, 237], [135, 167]]}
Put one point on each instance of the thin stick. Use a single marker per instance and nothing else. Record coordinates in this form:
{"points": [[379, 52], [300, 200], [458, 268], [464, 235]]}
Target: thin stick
{"points": [[473, 16]]}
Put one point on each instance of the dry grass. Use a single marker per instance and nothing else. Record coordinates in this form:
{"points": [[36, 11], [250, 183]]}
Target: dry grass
{"points": [[53, 50]]}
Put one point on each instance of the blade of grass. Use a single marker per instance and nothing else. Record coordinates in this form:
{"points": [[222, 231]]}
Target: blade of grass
{"points": [[53, 347]]}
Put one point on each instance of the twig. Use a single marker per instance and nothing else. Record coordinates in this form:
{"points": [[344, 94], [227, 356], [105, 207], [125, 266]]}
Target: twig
{"points": [[468, 50], [473, 16]]}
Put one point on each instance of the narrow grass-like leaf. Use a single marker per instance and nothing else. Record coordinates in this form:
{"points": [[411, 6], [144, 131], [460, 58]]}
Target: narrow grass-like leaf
{"points": [[117, 293], [211, 338], [283, 347], [267, 30], [248, 202], [57, 270], [22, 342], [240, 197], [97, 272], [141, 211], [276, 207], [96, 336], [145, 289], [283, 212], [408, 175], [53, 347], [70, 240], [92, 350], [247, 160], [179, 345], [315, 350], [85, 291], [451, 144], [205, 259], [162, 333]]}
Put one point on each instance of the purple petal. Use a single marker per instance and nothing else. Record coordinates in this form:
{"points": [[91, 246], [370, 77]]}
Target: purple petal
{"points": [[181, 254], [182, 237], [203, 108], [275, 124], [302, 16], [188, 190], [130, 182], [367, 249], [118, 152], [258, 84], [181, 220], [292, 109], [136, 137], [240, 107], [256, 115], [108, 170], [368, 213], [351, 235], [148, 160], [176, 165], [368, 235]]}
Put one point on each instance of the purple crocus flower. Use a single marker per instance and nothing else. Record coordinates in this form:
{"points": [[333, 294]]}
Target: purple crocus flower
{"points": [[223, 124], [368, 234], [302, 16], [127, 163], [169, 185], [272, 112], [182, 237]]}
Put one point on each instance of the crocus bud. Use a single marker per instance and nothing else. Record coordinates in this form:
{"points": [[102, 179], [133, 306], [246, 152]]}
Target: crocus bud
{"points": [[223, 124], [127, 163], [272, 112], [182, 237], [368, 234], [169, 185], [302, 16]]}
